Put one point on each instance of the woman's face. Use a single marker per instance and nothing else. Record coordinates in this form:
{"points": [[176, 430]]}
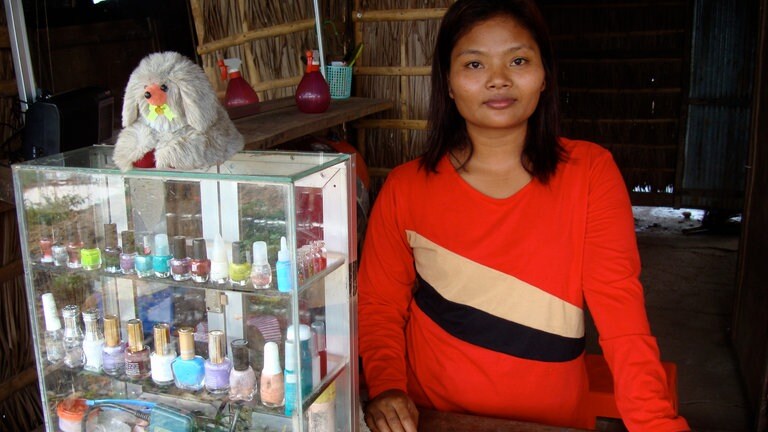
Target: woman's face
{"points": [[496, 75]]}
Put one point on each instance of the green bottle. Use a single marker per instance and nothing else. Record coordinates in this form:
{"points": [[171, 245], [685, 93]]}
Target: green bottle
{"points": [[90, 255], [239, 268]]}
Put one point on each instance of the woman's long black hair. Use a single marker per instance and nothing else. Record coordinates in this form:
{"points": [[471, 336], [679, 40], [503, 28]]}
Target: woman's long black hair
{"points": [[447, 129]]}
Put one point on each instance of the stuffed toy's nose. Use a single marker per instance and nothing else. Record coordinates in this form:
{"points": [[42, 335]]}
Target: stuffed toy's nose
{"points": [[155, 95]]}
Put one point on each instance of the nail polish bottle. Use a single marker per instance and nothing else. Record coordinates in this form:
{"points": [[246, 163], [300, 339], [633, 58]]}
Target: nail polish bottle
{"points": [[200, 266], [180, 263], [164, 355], [113, 353], [239, 269], [137, 364], [318, 332], [319, 255], [128, 255], [219, 263], [217, 366], [74, 244], [291, 390], [46, 244], [54, 336], [272, 390], [111, 250], [305, 355], [144, 257], [90, 254], [283, 267], [188, 368], [93, 343], [59, 250], [261, 272], [74, 357], [242, 379], [161, 257]]}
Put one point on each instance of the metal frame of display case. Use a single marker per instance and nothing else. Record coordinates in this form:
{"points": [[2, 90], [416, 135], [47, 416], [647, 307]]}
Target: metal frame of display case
{"points": [[116, 197]]}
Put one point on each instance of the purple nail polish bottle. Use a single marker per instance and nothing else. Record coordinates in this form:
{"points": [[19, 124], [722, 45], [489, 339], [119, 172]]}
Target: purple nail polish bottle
{"points": [[217, 366]]}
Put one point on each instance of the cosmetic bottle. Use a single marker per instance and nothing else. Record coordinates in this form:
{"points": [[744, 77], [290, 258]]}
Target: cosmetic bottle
{"points": [[74, 357], [164, 355], [90, 254], [239, 268], [291, 390], [93, 343], [112, 251], [242, 379], [59, 250], [137, 364], [272, 390], [113, 353], [180, 266], [128, 255], [261, 272], [46, 244], [54, 336], [318, 332], [305, 355], [161, 257], [144, 257], [217, 366], [319, 255], [74, 244], [188, 368], [219, 263], [200, 265], [283, 267]]}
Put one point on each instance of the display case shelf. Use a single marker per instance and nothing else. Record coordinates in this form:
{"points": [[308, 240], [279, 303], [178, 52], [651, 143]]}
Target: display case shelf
{"points": [[303, 198]]}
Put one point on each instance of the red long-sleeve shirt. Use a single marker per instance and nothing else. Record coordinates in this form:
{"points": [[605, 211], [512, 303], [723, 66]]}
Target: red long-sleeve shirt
{"points": [[475, 304]]}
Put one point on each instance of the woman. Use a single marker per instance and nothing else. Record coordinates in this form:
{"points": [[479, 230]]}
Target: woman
{"points": [[479, 255]]}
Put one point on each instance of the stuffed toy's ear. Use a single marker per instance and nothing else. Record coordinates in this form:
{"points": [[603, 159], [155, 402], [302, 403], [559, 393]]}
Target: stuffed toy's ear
{"points": [[132, 100], [197, 96]]}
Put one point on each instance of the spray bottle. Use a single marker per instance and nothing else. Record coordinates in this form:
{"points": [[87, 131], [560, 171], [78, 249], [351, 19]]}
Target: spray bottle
{"points": [[313, 95], [239, 92]]}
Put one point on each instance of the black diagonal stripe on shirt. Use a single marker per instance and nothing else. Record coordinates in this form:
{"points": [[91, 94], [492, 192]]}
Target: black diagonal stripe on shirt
{"points": [[491, 332]]}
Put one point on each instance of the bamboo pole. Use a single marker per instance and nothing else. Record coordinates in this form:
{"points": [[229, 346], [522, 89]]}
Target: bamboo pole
{"points": [[391, 124], [197, 16], [250, 63], [404, 88], [397, 14], [17, 382], [275, 84], [394, 70], [239, 39], [358, 30], [11, 270]]}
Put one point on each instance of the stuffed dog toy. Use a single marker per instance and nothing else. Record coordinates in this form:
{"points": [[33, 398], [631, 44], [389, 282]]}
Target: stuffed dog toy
{"points": [[172, 118]]}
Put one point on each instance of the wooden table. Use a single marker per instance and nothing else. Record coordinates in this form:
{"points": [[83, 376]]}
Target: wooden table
{"points": [[433, 421], [274, 122]]}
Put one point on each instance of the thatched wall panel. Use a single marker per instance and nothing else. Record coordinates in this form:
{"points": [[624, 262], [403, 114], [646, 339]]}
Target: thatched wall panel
{"points": [[595, 17], [625, 74], [661, 45], [608, 133], [627, 105]]}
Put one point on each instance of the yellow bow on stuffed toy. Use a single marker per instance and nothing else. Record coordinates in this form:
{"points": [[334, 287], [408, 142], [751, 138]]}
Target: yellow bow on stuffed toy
{"points": [[163, 109]]}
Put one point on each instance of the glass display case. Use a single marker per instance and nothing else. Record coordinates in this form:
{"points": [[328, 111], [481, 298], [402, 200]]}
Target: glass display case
{"points": [[169, 300]]}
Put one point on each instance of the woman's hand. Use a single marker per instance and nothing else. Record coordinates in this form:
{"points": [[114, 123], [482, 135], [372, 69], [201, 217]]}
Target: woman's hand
{"points": [[391, 411]]}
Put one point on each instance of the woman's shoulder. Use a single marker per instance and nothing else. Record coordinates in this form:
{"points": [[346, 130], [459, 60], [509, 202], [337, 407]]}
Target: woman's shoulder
{"points": [[407, 171]]}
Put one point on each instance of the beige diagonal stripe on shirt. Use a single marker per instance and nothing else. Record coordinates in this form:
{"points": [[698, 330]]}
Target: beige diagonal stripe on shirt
{"points": [[463, 281]]}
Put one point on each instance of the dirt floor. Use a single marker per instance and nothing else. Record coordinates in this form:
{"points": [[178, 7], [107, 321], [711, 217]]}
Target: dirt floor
{"points": [[689, 272]]}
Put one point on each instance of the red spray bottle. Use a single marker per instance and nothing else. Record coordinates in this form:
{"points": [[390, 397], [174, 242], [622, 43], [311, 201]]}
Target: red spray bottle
{"points": [[313, 95], [239, 92]]}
